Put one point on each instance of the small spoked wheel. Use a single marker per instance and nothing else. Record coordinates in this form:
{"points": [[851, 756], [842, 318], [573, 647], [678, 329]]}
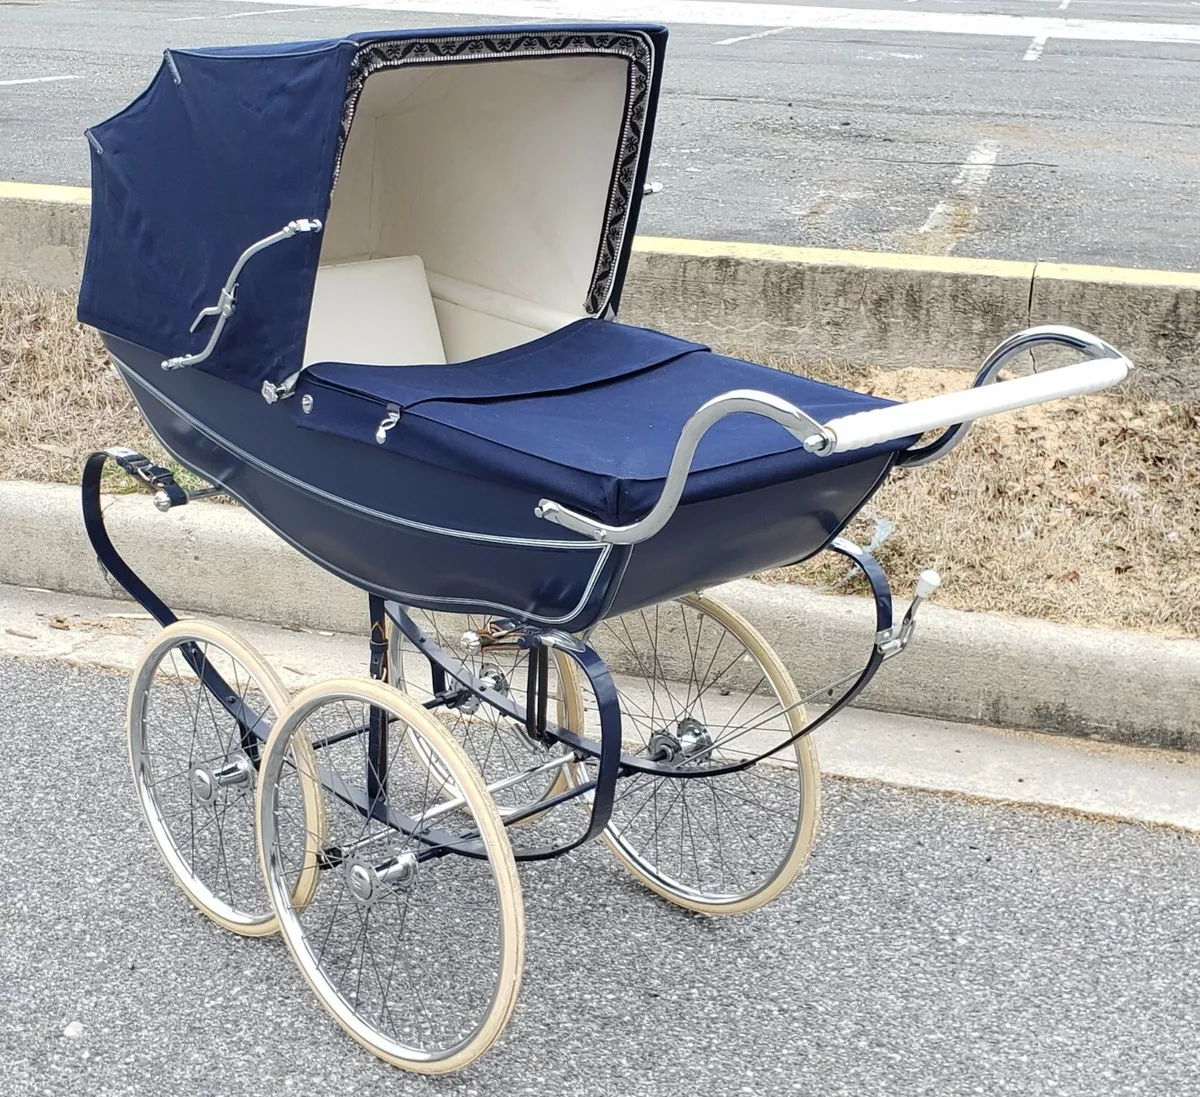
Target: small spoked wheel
{"points": [[700, 690], [414, 936], [201, 704], [499, 746]]}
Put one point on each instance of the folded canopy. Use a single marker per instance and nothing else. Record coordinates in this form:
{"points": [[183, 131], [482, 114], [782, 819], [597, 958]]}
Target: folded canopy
{"points": [[510, 158]]}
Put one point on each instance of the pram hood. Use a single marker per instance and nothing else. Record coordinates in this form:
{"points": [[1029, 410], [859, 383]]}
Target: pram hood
{"points": [[512, 157]]}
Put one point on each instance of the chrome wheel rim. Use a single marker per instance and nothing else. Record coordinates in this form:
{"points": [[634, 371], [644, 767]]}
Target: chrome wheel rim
{"points": [[412, 956], [194, 778], [695, 695]]}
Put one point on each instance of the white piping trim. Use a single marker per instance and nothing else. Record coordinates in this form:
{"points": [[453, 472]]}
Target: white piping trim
{"points": [[493, 538], [404, 597]]}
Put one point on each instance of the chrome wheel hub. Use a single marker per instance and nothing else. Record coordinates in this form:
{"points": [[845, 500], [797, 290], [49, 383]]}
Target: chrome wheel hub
{"points": [[368, 883], [361, 881], [493, 678], [206, 783], [689, 737], [693, 736]]}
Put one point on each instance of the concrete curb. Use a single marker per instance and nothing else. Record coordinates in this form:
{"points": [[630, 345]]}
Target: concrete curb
{"points": [[963, 667], [43, 233], [910, 310], [873, 307], [1155, 787]]}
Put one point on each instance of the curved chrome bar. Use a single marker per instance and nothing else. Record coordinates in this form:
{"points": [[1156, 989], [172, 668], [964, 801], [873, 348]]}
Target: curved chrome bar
{"points": [[1053, 334], [1106, 367], [806, 430], [223, 309]]}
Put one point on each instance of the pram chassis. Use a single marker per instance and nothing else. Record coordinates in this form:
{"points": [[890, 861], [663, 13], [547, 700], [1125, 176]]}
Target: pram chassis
{"points": [[588, 767], [385, 616], [531, 496]]}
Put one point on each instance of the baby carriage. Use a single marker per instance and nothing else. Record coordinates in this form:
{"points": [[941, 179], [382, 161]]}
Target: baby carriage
{"points": [[368, 288]]}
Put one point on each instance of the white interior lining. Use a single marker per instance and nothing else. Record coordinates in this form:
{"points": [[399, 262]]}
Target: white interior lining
{"points": [[496, 173], [468, 334], [378, 313], [503, 306]]}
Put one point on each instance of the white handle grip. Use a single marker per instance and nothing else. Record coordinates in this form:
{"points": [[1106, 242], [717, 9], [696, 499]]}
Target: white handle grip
{"points": [[868, 428], [927, 582]]}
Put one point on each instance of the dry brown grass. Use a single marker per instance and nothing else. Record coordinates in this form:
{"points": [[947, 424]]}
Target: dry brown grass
{"points": [[59, 399], [1086, 511]]}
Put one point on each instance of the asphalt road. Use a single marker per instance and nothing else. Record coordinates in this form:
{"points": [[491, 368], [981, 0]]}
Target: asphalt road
{"points": [[933, 947], [828, 138]]}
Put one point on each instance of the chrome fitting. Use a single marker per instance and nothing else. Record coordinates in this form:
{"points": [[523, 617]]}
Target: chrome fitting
{"points": [[366, 883], [693, 736], [491, 677], [554, 638], [894, 640], [164, 502], [303, 224], [206, 783], [389, 421], [226, 298]]}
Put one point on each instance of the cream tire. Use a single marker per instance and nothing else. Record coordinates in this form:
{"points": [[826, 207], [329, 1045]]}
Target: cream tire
{"points": [[162, 687], [491, 832], [802, 754]]}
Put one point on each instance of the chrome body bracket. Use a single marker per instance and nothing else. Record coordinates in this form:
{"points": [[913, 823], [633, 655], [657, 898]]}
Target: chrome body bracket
{"points": [[892, 641], [804, 428]]}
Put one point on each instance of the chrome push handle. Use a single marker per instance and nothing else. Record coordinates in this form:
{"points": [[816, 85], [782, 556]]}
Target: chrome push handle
{"points": [[1106, 367], [956, 409], [803, 427], [1095, 349], [227, 300]]}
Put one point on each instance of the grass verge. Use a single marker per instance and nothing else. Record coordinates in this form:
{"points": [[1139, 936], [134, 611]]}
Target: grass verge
{"points": [[59, 396]]}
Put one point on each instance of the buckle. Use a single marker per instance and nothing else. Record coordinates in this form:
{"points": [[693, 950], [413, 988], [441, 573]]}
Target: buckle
{"points": [[159, 481]]}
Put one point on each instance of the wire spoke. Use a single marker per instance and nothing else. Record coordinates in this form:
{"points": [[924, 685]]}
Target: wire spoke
{"points": [[410, 942], [713, 839], [181, 736]]}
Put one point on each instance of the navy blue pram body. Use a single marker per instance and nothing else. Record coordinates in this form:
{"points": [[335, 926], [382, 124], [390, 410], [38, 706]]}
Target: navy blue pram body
{"points": [[422, 483]]}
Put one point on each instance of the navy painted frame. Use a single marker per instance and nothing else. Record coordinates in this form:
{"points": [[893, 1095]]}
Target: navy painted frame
{"points": [[371, 801]]}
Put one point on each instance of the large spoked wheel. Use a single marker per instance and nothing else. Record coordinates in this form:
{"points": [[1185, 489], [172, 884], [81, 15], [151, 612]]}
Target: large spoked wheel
{"points": [[498, 745], [200, 700], [699, 689], [414, 938]]}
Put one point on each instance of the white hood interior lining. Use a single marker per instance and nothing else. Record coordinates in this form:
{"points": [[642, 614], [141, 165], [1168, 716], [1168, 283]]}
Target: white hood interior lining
{"points": [[509, 174]]}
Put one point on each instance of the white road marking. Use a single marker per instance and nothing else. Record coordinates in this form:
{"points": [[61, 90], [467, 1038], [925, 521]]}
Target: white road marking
{"points": [[747, 37], [734, 13], [967, 186], [235, 15], [1035, 48], [37, 80]]}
